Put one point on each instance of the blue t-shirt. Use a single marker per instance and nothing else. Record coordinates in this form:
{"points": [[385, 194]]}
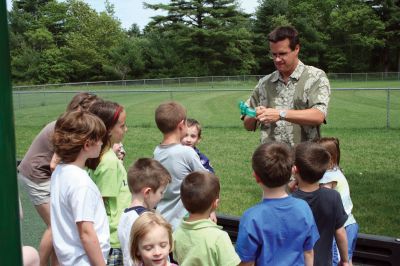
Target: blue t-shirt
{"points": [[204, 161], [277, 232]]}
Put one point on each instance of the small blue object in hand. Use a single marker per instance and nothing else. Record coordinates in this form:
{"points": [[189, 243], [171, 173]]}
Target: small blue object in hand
{"points": [[246, 110]]}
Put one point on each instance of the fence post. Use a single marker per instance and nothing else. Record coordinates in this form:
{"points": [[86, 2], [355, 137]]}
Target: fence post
{"points": [[388, 108], [10, 239]]}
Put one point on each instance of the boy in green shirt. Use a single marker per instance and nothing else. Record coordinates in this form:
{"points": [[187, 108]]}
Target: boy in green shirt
{"points": [[198, 240]]}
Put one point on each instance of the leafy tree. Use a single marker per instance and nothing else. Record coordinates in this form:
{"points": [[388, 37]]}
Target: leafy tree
{"points": [[91, 36], [355, 31], [67, 41], [269, 14], [388, 55], [127, 59], [211, 36], [134, 31]]}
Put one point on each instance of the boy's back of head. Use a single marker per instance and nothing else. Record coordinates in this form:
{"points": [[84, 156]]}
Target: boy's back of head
{"points": [[272, 163], [199, 190], [311, 160], [168, 115], [147, 172]]}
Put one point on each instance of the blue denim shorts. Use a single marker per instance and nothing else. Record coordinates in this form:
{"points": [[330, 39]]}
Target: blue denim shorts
{"points": [[351, 232]]}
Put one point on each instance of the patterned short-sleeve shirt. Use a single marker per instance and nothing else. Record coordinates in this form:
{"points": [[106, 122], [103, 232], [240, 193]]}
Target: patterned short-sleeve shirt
{"points": [[307, 87]]}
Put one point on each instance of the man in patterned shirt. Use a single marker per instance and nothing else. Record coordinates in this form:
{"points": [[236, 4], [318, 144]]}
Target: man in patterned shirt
{"points": [[292, 102]]}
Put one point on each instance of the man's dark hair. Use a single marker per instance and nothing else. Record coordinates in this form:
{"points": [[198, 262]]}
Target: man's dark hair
{"points": [[285, 32], [272, 163], [311, 160], [199, 190]]}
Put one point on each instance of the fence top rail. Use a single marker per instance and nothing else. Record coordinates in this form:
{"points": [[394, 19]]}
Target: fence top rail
{"points": [[177, 90], [184, 78]]}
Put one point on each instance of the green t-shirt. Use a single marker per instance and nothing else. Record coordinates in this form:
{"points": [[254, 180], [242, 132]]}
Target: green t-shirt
{"points": [[203, 243], [111, 179]]}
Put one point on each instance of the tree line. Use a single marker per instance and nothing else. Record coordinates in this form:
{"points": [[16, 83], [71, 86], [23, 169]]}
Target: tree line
{"points": [[54, 42]]}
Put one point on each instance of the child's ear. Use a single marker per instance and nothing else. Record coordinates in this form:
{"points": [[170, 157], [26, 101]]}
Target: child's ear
{"points": [[146, 191], [258, 180], [295, 170], [215, 204], [86, 146], [182, 123]]}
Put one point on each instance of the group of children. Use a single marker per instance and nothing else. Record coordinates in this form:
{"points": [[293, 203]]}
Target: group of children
{"points": [[101, 214]]}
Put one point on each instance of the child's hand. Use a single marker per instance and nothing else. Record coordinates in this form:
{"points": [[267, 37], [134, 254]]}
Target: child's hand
{"points": [[118, 148], [293, 185]]}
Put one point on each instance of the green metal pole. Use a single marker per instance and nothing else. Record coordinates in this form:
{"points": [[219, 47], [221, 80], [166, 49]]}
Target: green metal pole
{"points": [[10, 237]]}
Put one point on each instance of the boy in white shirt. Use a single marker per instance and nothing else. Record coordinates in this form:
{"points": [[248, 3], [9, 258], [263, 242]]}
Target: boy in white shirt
{"points": [[78, 218]]}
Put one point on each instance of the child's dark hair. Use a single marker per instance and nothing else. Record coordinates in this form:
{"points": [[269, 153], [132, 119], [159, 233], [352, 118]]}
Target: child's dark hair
{"points": [[109, 113], [73, 130], [311, 160], [331, 144], [147, 172], [199, 190], [272, 163], [190, 122], [168, 115], [82, 101]]}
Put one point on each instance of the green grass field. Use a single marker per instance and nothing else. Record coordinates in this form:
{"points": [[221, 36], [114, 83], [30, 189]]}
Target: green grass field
{"points": [[369, 150]]}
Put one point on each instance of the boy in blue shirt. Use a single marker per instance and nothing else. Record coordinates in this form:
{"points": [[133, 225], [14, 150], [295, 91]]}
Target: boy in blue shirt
{"points": [[281, 229]]}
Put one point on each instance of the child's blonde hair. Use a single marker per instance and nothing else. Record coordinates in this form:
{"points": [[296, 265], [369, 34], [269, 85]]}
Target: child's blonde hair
{"points": [[142, 226]]}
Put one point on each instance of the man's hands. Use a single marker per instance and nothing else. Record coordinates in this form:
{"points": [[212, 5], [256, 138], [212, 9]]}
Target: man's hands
{"points": [[267, 115]]}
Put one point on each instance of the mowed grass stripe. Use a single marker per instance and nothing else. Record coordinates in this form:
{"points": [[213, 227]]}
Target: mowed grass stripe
{"points": [[358, 118]]}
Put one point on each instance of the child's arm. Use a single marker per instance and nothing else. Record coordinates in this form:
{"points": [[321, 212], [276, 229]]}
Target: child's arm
{"points": [[309, 257], [54, 161], [90, 243], [341, 240], [292, 186], [330, 185]]}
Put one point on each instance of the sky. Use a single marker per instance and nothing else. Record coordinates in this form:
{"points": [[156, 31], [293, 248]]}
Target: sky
{"points": [[132, 11]]}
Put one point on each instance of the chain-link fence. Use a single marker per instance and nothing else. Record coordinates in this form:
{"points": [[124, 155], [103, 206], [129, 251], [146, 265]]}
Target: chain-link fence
{"points": [[198, 82]]}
